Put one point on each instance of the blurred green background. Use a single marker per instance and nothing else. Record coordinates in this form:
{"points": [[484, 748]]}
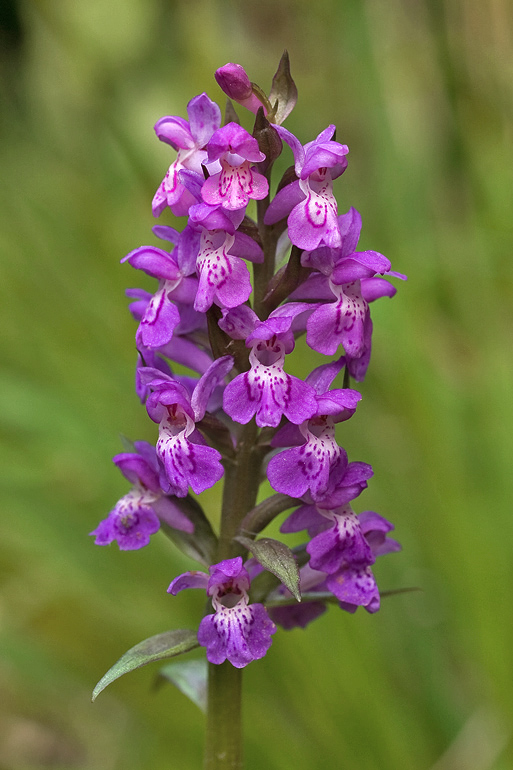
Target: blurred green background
{"points": [[422, 92]]}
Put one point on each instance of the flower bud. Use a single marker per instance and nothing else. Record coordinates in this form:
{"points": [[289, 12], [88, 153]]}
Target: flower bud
{"points": [[233, 80]]}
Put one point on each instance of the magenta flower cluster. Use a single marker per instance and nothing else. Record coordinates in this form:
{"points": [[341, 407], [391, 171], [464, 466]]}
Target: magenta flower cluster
{"points": [[234, 331]]}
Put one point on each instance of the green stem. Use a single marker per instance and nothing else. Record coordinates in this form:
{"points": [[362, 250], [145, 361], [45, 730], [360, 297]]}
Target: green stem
{"points": [[241, 482], [224, 718], [223, 744]]}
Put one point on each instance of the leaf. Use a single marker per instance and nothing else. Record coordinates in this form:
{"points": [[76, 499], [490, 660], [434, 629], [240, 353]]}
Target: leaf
{"points": [[159, 647], [284, 90], [312, 596], [326, 596], [262, 586], [202, 543], [190, 677], [277, 558], [394, 591]]}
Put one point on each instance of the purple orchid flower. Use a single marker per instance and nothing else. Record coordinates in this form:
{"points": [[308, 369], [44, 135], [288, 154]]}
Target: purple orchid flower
{"points": [[232, 187], [180, 447], [223, 277], [189, 139], [310, 465], [217, 251], [237, 631], [160, 317], [188, 345], [138, 514], [344, 543], [309, 203], [267, 391], [342, 550], [354, 585], [344, 321]]}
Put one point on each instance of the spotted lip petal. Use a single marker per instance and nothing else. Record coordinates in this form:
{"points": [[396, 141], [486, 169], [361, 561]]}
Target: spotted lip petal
{"points": [[239, 634], [187, 464], [267, 391], [341, 322], [344, 543], [296, 470], [314, 220], [223, 278], [355, 585]]}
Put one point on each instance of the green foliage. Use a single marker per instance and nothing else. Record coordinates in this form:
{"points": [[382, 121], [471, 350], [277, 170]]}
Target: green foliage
{"points": [[276, 557], [190, 677], [169, 644], [201, 545]]}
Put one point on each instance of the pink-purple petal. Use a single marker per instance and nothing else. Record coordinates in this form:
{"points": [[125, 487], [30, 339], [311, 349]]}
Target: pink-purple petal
{"points": [[283, 203], [191, 579], [175, 131], [374, 288], [354, 585], [204, 117], [213, 377], [239, 634], [159, 321]]}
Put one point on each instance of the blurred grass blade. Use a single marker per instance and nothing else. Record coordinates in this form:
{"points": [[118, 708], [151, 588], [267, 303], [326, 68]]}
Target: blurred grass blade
{"points": [[189, 677]]}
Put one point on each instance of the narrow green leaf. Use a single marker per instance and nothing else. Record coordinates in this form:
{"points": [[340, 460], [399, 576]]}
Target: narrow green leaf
{"points": [[277, 558], [326, 596], [190, 677], [394, 591], [202, 543], [159, 647]]}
